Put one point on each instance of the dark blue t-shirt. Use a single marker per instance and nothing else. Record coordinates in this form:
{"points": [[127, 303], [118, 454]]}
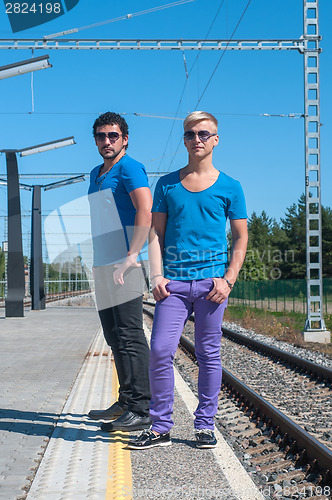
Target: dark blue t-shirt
{"points": [[112, 211], [195, 237]]}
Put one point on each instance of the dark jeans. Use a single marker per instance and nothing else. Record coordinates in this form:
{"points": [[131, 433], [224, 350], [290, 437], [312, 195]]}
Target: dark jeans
{"points": [[123, 330]]}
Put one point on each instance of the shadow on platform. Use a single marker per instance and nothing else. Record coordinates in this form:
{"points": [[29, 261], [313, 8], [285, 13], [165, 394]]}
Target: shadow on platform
{"points": [[68, 426]]}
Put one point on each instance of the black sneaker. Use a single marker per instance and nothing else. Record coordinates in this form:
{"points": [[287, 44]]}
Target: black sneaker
{"points": [[148, 439], [205, 438]]}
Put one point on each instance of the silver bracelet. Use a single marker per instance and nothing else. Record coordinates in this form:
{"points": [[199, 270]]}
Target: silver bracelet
{"points": [[155, 276]]}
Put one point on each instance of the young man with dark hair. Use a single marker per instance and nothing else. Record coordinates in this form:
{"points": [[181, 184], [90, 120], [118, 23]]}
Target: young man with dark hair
{"points": [[120, 207], [188, 257]]}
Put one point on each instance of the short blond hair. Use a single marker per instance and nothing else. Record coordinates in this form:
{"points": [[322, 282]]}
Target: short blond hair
{"points": [[200, 115]]}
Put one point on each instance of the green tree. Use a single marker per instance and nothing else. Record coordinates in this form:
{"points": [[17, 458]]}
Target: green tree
{"points": [[263, 254], [294, 227], [253, 268], [293, 224], [278, 250], [260, 230]]}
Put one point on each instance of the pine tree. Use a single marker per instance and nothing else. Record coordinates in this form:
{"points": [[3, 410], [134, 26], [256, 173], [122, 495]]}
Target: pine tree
{"points": [[294, 227]]}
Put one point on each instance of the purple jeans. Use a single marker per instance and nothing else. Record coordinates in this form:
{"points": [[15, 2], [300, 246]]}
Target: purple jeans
{"points": [[170, 317]]}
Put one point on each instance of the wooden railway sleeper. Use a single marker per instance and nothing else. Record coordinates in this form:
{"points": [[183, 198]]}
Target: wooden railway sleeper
{"points": [[250, 432], [255, 450], [287, 476], [268, 458], [283, 464]]}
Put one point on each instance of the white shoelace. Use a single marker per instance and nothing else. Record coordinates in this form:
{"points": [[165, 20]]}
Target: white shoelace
{"points": [[203, 431]]}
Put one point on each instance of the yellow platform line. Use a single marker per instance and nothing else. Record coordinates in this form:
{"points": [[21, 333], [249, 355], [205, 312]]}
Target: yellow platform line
{"points": [[119, 476]]}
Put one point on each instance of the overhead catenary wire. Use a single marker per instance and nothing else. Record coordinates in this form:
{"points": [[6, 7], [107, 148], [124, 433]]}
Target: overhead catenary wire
{"points": [[269, 115], [185, 64], [147, 115], [213, 73], [158, 116], [32, 95], [120, 18], [184, 89], [223, 53]]}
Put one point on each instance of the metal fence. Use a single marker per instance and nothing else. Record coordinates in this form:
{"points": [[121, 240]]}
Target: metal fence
{"points": [[53, 287], [275, 295], [56, 286], [278, 295]]}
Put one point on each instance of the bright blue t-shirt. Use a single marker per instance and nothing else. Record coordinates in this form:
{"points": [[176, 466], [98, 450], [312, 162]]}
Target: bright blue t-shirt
{"points": [[195, 236], [112, 211]]}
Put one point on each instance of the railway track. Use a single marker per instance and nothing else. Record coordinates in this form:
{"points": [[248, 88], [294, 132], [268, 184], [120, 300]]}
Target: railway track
{"points": [[276, 414]]}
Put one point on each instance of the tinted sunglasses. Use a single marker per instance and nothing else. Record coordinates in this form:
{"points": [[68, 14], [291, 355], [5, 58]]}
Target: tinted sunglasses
{"points": [[112, 136], [203, 135]]}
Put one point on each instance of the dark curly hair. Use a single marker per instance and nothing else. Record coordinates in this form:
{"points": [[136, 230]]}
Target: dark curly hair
{"points": [[111, 119]]}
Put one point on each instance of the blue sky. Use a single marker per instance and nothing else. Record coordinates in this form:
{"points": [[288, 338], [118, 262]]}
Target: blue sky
{"points": [[265, 153]]}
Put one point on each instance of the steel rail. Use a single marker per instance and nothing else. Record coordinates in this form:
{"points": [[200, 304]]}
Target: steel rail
{"points": [[313, 448], [318, 370], [314, 368]]}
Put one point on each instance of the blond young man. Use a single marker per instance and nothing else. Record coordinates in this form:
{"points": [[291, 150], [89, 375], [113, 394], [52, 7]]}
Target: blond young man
{"points": [[188, 257]]}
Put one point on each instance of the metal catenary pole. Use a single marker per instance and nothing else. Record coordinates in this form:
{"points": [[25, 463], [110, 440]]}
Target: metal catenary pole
{"points": [[37, 269], [314, 321], [15, 261]]}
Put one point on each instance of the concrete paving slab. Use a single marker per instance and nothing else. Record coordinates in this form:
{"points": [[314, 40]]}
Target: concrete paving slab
{"points": [[41, 356], [57, 367], [77, 464], [183, 471]]}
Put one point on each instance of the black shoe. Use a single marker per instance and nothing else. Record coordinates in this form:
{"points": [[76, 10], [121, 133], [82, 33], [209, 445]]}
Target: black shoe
{"points": [[205, 438], [129, 421], [114, 411], [148, 439]]}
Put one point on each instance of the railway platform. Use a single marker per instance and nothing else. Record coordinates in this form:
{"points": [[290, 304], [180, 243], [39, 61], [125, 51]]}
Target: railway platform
{"points": [[55, 367]]}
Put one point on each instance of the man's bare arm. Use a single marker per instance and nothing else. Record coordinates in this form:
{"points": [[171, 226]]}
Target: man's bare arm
{"points": [[221, 288], [142, 201], [156, 250]]}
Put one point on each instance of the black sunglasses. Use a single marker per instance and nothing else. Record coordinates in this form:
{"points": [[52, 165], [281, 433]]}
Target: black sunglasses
{"points": [[203, 135], [112, 136]]}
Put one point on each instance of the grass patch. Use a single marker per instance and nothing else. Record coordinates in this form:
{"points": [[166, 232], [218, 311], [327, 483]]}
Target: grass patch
{"points": [[328, 321], [285, 326]]}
